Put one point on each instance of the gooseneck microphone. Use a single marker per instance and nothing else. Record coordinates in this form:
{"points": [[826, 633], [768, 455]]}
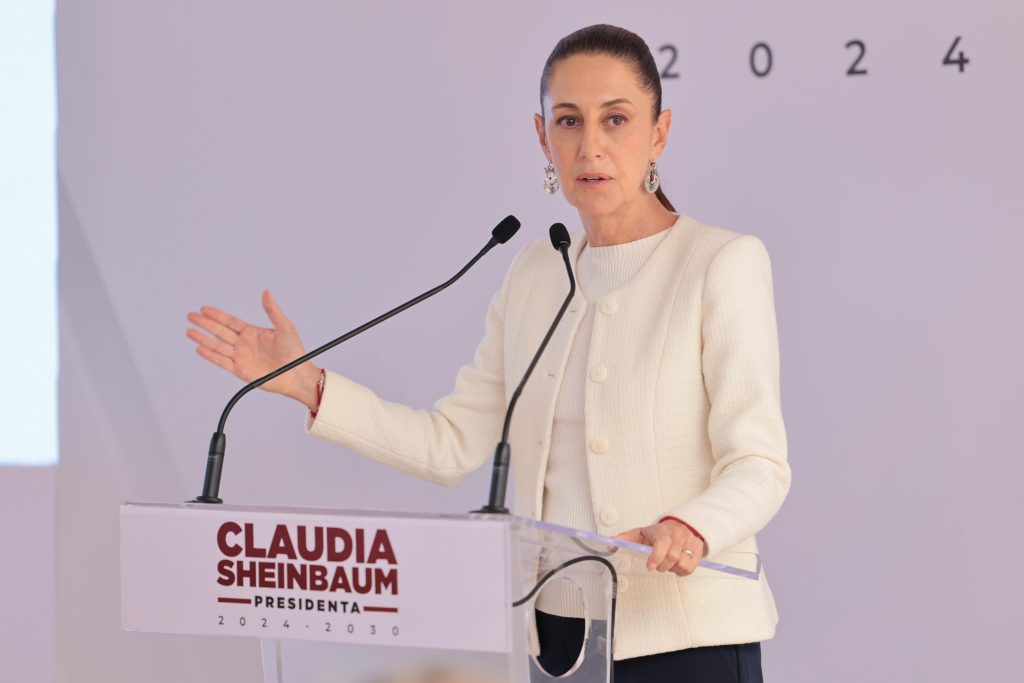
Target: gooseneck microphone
{"points": [[503, 453], [502, 233]]}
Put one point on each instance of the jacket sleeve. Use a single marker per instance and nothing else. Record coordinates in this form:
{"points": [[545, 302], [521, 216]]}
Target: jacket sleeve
{"points": [[740, 361], [442, 445]]}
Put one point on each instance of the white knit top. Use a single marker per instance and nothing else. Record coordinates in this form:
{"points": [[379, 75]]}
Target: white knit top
{"points": [[567, 499]]}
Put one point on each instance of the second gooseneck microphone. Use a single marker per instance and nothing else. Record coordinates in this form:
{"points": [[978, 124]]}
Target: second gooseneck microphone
{"points": [[503, 453], [502, 233]]}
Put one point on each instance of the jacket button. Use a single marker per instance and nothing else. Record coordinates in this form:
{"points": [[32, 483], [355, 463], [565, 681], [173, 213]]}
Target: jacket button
{"points": [[609, 306], [609, 516], [599, 444], [599, 373]]}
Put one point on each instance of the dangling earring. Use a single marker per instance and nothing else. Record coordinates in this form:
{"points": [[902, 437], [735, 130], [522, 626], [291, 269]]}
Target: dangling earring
{"points": [[653, 181], [550, 179]]}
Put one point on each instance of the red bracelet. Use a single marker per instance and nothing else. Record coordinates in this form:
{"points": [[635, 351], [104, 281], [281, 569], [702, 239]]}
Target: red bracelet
{"points": [[676, 519], [319, 392]]}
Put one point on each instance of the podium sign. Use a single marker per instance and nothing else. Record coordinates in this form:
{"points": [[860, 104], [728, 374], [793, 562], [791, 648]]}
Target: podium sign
{"points": [[359, 578], [452, 594]]}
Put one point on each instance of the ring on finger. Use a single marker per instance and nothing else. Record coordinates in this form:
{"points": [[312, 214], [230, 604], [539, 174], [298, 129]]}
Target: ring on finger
{"points": [[689, 552]]}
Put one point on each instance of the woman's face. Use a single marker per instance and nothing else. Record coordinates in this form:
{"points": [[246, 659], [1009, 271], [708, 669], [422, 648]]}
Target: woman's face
{"points": [[598, 131]]}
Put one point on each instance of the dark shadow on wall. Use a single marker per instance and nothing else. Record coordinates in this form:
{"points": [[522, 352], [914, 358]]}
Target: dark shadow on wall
{"points": [[140, 456], [112, 450]]}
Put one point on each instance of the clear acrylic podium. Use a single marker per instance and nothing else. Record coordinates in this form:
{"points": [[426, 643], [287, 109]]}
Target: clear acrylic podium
{"points": [[367, 596]]}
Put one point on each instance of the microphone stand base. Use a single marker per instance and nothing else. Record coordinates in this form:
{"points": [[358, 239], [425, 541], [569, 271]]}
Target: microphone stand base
{"points": [[207, 499], [491, 510]]}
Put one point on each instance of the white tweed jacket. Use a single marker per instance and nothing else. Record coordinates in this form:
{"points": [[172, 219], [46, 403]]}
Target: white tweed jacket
{"points": [[684, 420]]}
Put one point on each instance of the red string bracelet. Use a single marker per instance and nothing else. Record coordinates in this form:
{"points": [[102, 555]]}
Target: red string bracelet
{"points": [[319, 392], [676, 519]]}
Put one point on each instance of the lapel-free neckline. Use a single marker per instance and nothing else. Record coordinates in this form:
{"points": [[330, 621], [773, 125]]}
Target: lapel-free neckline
{"points": [[675, 230]]}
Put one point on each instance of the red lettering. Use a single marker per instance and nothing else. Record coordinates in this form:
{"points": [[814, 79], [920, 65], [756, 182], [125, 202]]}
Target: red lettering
{"points": [[314, 553], [265, 575], [317, 577], [340, 582], [226, 576], [251, 549], [245, 571], [222, 538], [381, 549], [281, 544], [333, 553], [386, 578], [366, 585], [297, 576]]}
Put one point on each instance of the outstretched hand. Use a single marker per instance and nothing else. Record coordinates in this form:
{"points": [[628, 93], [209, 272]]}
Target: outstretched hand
{"points": [[249, 352], [674, 547]]}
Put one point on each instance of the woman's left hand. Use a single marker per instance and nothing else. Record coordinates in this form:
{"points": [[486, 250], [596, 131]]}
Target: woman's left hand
{"points": [[670, 542]]}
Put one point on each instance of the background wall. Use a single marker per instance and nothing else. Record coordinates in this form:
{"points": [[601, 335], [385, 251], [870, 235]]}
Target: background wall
{"points": [[349, 156]]}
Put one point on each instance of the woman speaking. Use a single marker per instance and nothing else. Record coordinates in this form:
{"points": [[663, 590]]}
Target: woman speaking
{"points": [[656, 413]]}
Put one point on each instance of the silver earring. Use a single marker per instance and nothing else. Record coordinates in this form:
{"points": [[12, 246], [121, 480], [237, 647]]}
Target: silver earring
{"points": [[550, 179], [653, 180]]}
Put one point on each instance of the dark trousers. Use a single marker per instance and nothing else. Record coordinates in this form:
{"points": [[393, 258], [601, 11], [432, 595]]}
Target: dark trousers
{"points": [[562, 637]]}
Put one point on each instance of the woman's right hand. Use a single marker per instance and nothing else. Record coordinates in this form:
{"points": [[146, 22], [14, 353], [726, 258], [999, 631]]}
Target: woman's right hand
{"points": [[249, 352]]}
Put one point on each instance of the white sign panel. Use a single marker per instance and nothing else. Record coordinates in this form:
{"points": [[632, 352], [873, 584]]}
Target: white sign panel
{"points": [[361, 577]]}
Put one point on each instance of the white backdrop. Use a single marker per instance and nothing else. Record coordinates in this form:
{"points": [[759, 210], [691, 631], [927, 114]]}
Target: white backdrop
{"points": [[28, 233], [350, 156]]}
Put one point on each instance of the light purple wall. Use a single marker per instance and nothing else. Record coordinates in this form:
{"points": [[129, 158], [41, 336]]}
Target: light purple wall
{"points": [[349, 157], [27, 524]]}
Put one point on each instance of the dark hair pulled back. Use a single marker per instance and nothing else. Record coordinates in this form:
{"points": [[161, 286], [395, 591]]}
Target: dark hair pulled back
{"points": [[614, 41]]}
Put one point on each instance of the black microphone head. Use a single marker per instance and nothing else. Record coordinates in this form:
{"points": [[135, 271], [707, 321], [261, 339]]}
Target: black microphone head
{"points": [[503, 232], [559, 236]]}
